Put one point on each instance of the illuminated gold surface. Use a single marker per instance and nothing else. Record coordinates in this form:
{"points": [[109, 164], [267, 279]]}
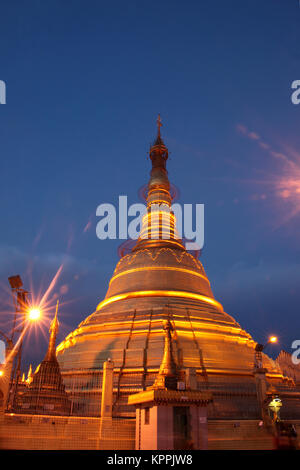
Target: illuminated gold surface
{"points": [[170, 396], [160, 293], [159, 268]]}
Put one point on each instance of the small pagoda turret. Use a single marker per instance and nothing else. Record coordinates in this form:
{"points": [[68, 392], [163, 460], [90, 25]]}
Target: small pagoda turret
{"points": [[46, 393]]}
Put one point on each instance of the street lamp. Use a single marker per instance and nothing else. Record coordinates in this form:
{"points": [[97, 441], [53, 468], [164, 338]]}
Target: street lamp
{"points": [[259, 349], [260, 375], [23, 310]]}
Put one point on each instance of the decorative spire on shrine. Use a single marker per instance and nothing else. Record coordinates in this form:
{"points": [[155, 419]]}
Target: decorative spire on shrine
{"points": [[168, 374], [168, 366], [51, 352]]}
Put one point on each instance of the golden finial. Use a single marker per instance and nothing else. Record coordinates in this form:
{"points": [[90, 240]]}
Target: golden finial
{"points": [[54, 323], [168, 364], [52, 340], [159, 124], [29, 375]]}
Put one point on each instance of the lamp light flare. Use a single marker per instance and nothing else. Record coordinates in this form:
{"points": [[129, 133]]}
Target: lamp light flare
{"points": [[287, 188], [34, 314], [16, 346], [1, 373], [51, 285], [273, 339]]}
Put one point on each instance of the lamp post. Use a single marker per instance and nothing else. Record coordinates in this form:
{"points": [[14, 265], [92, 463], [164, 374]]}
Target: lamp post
{"points": [[20, 299], [260, 375], [259, 348]]}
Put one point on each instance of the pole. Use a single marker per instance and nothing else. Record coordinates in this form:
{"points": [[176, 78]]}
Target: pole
{"points": [[20, 297]]}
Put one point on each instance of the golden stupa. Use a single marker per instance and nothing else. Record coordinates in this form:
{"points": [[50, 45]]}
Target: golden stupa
{"points": [[160, 281]]}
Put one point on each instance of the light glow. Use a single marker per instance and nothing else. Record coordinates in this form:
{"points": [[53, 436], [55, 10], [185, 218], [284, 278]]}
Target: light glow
{"points": [[273, 339], [159, 268], [34, 314]]}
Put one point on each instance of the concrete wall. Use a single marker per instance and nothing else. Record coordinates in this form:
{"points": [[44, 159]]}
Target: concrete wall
{"points": [[158, 434], [199, 428]]}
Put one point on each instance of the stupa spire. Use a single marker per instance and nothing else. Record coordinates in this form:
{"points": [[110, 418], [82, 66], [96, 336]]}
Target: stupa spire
{"points": [[51, 352], [159, 155], [158, 227], [159, 124]]}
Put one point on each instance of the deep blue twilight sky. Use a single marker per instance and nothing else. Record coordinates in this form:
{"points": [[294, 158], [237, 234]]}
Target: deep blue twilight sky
{"points": [[85, 81]]}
